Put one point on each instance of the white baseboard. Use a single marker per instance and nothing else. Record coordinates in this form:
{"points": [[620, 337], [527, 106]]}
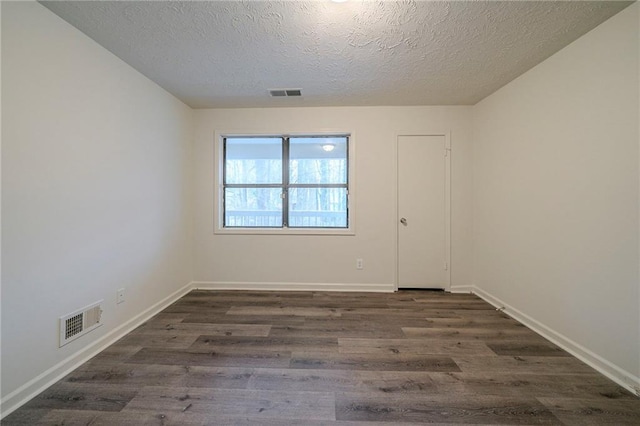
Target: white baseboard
{"points": [[607, 368], [29, 390], [461, 289], [269, 286]]}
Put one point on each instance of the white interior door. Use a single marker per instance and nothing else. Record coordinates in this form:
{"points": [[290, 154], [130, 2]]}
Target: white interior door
{"points": [[423, 225]]}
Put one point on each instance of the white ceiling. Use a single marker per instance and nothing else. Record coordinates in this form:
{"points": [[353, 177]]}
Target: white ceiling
{"points": [[230, 53]]}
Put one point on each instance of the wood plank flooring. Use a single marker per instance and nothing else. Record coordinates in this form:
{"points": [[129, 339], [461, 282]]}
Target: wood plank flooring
{"points": [[324, 358]]}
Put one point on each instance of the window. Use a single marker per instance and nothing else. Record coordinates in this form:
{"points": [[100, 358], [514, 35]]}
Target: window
{"points": [[285, 182]]}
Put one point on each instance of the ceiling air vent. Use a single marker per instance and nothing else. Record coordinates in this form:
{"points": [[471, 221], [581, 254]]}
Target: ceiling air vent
{"points": [[279, 93], [79, 323]]}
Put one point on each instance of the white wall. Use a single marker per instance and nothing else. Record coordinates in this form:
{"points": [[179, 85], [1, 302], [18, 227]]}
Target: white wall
{"points": [[95, 191], [556, 196], [637, 11], [286, 260]]}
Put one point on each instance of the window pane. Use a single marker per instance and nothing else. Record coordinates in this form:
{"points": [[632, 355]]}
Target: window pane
{"points": [[318, 207], [318, 160], [253, 160], [253, 207]]}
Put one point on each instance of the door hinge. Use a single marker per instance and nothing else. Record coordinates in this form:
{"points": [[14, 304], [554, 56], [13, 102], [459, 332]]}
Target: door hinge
{"points": [[446, 152], [446, 266]]}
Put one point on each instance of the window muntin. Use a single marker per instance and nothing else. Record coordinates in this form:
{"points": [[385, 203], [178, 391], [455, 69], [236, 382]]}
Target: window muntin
{"points": [[286, 182]]}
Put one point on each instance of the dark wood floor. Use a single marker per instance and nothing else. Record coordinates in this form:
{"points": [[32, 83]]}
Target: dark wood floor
{"points": [[312, 358]]}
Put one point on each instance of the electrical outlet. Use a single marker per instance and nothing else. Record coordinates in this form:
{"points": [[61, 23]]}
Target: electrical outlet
{"points": [[359, 264], [120, 296]]}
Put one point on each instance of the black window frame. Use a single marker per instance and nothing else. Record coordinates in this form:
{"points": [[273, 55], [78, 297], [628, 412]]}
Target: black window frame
{"points": [[285, 186]]}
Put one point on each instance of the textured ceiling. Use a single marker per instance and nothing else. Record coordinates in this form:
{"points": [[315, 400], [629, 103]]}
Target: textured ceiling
{"points": [[230, 53]]}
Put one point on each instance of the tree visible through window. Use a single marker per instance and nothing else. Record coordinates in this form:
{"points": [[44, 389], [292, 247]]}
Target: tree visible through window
{"points": [[293, 182]]}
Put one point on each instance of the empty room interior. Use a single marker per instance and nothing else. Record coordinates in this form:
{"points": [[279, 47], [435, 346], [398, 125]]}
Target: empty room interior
{"points": [[320, 212]]}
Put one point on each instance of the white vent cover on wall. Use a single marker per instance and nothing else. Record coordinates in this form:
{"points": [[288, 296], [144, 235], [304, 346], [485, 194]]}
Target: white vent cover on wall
{"points": [[80, 322]]}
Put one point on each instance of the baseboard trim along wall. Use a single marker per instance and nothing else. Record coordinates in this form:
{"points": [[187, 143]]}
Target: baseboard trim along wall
{"points": [[461, 289], [612, 371], [270, 286], [29, 390]]}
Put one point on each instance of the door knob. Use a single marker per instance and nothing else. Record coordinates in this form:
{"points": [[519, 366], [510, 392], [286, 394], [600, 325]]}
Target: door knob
{"points": [[403, 221]]}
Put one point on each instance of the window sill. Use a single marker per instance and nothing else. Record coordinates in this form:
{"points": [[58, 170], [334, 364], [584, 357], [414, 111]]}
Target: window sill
{"points": [[284, 231]]}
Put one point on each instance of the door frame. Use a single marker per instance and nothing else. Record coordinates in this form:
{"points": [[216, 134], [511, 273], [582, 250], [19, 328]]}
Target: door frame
{"points": [[447, 202]]}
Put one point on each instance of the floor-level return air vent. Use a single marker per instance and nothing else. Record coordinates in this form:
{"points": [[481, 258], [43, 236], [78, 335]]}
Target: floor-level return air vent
{"points": [[80, 322]]}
